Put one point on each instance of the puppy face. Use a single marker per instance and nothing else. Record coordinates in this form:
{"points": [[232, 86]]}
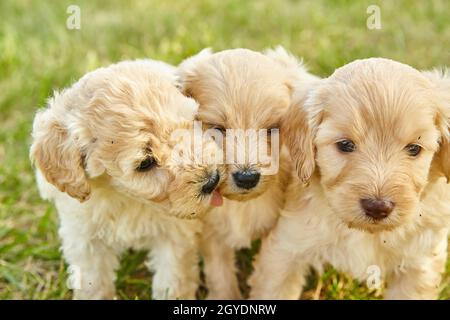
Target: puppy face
{"points": [[115, 128], [239, 89], [376, 126]]}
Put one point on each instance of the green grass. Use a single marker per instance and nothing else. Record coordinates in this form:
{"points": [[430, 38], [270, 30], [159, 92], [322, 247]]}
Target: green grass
{"points": [[38, 54]]}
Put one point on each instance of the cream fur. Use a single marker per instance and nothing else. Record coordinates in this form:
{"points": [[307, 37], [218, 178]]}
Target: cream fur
{"points": [[241, 89], [87, 145], [382, 106]]}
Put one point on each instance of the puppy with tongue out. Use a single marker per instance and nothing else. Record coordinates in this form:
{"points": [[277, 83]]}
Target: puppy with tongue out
{"points": [[241, 89], [104, 153]]}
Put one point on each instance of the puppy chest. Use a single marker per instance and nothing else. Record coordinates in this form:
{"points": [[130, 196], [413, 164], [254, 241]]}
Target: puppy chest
{"points": [[239, 223], [132, 228]]}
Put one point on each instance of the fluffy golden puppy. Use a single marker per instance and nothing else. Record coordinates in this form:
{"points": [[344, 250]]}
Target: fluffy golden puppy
{"points": [[242, 90], [104, 152], [375, 138]]}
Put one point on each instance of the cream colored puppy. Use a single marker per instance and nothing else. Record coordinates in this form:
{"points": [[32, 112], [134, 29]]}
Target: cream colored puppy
{"points": [[242, 89], [104, 155], [378, 201]]}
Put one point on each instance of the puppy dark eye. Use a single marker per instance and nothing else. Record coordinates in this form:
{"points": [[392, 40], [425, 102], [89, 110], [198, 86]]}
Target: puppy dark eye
{"points": [[413, 149], [346, 146], [220, 128], [147, 164]]}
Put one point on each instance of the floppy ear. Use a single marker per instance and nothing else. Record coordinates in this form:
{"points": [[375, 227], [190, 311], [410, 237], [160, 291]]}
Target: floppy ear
{"points": [[298, 130], [57, 156], [443, 157], [441, 80], [187, 68]]}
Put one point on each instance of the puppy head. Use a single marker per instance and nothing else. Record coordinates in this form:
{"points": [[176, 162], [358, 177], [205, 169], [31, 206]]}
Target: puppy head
{"points": [[115, 129], [239, 91], [377, 130]]}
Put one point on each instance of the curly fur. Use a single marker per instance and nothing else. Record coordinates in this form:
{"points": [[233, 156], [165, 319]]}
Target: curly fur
{"points": [[86, 147], [382, 106], [241, 89]]}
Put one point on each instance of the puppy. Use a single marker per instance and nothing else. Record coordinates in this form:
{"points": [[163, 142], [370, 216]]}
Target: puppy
{"points": [[103, 150], [242, 89], [378, 200]]}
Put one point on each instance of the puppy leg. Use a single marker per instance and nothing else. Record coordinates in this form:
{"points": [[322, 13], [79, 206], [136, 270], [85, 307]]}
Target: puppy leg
{"points": [[420, 281], [220, 270], [175, 267], [92, 267], [278, 273]]}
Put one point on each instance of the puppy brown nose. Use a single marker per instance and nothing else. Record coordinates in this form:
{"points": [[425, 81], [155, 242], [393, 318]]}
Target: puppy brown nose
{"points": [[246, 179], [211, 183], [376, 208]]}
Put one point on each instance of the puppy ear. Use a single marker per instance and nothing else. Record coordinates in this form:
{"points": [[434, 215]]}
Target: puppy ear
{"points": [[187, 68], [443, 157], [441, 81], [298, 75], [298, 130], [56, 155], [283, 58]]}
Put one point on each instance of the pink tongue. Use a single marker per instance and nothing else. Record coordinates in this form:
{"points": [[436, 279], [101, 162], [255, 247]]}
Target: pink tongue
{"points": [[216, 199]]}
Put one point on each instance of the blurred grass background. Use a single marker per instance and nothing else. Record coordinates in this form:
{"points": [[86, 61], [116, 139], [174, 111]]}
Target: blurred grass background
{"points": [[38, 54]]}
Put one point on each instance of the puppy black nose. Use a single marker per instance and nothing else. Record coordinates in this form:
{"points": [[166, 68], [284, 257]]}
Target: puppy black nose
{"points": [[211, 183], [376, 208], [246, 179]]}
